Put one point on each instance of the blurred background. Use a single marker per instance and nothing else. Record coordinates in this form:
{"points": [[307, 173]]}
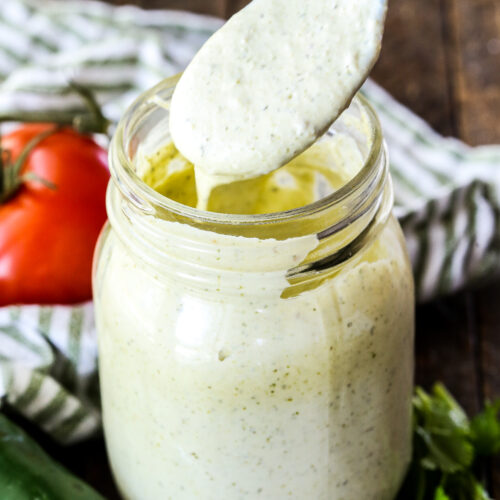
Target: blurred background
{"points": [[441, 59]]}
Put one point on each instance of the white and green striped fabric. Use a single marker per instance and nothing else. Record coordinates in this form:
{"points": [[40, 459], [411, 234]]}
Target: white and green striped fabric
{"points": [[447, 194], [48, 367]]}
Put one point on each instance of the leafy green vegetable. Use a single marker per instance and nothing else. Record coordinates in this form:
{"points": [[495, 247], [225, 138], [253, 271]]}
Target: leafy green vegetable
{"points": [[448, 448], [441, 495], [485, 430]]}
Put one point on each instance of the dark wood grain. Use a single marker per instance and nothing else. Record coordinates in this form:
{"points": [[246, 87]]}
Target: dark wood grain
{"points": [[472, 45], [474, 52], [446, 332], [412, 64]]}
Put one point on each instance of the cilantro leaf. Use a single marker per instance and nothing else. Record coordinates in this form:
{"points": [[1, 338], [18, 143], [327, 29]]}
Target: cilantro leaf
{"points": [[444, 428], [448, 447], [485, 430], [440, 494]]}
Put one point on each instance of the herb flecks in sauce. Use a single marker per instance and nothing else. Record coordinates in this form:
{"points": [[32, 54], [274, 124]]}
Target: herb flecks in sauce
{"points": [[269, 83]]}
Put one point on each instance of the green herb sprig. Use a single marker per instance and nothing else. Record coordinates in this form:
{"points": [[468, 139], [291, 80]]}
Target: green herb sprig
{"points": [[448, 448]]}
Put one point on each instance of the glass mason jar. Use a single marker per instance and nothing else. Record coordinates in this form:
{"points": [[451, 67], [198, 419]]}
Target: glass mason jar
{"points": [[265, 356]]}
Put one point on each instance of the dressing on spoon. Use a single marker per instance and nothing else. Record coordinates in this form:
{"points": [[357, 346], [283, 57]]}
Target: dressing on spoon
{"points": [[269, 83]]}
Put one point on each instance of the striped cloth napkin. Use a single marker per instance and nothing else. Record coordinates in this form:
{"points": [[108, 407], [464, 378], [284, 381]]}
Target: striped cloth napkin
{"points": [[447, 194]]}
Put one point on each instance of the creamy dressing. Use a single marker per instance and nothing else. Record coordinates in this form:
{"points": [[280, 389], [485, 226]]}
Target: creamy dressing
{"points": [[218, 381], [269, 83], [214, 386], [226, 391]]}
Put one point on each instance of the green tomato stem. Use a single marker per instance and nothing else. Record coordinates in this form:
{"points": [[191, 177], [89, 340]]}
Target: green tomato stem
{"points": [[10, 173]]}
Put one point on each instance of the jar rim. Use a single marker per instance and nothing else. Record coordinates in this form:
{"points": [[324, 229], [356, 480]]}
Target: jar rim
{"points": [[150, 201]]}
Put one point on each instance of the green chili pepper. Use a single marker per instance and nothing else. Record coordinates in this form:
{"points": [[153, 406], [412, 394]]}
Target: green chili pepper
{"points": [[28, 473]]}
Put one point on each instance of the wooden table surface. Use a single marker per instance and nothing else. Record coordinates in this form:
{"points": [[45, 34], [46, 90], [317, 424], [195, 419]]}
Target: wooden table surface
{"points": [[442, 59]]}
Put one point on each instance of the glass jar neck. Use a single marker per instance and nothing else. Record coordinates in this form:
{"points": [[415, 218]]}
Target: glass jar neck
{"points": [[299, 244]]}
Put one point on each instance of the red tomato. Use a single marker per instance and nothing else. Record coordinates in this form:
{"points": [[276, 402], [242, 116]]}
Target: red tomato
{"points": [[47, 236]]}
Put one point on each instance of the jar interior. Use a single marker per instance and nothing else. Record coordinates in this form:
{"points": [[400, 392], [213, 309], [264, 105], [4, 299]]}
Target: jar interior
{"points": [[342, 189], [323, 169]]}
